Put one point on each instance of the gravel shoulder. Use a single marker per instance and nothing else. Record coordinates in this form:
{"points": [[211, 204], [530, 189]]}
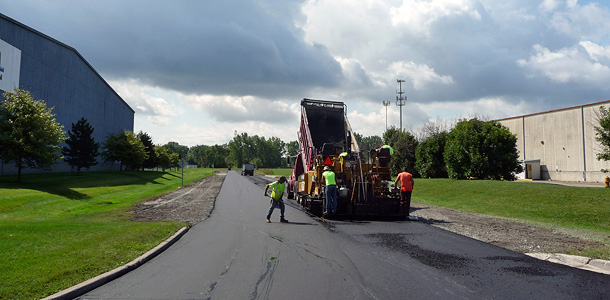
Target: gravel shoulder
{"points": [[509, 234], [190, 204], [194, 203]]}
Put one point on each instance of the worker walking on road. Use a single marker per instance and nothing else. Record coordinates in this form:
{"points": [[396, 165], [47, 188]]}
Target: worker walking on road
{"points": [[406, 189], [277, 191], [330, 191]]}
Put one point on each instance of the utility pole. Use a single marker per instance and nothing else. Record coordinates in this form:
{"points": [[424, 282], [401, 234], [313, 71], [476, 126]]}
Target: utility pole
{"points": [[400, 100], [386, 104]]}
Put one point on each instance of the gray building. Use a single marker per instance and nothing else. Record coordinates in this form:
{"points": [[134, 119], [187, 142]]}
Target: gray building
{"points": [[560, 144], [59, 75]]}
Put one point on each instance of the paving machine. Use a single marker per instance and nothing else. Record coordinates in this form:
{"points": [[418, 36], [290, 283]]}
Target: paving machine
{"points": [[326, 139]]}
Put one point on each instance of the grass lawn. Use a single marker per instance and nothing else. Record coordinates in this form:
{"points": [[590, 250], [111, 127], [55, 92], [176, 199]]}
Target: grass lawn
{"points": [[581, 209], [279, 171], [57, 230]]}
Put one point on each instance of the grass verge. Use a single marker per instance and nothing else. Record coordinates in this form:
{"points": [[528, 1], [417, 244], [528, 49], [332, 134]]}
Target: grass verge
{"points": [[582, 210], [59, 230], [280, 171]]}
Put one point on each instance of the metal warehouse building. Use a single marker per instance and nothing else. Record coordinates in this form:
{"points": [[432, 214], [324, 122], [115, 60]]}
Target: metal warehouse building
{"points": [[59, 75], [560, 144]]}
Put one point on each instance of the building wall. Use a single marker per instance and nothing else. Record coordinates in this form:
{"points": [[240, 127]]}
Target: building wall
{"points": [[563, 140], [59, 75]]}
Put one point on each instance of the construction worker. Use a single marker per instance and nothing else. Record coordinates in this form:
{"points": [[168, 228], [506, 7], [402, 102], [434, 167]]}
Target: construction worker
{"points": [[330, 191], [406, 188], [277, 191], [391, 147], [385, 161]]}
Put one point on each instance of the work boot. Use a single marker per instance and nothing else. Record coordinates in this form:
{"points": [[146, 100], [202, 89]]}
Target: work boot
{"points": [[283, 220]]}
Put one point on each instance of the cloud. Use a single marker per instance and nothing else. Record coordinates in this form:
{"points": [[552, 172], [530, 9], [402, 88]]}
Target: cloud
{"points": [[583, 64], [487, 108], [589, 21], [421, 76], [238, 109], [418, 16], [195, 47], [244, 64], [138, 96]]}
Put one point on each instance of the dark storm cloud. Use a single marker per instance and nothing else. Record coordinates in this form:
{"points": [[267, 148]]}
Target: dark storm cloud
{"points": [[211, 47], [482, 54]]}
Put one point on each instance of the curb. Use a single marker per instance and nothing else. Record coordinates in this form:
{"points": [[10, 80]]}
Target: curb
{"points": [[91, 284], [581, 262]]}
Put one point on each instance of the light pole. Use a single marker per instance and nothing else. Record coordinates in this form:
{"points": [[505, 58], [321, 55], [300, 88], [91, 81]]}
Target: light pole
{"points": [[386, 104], [400, 100]]}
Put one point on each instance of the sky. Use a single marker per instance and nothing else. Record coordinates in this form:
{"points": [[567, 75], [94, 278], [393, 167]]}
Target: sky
{"points": [[199, 72]]}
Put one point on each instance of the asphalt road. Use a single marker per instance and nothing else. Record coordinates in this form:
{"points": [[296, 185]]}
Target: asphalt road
{"points": [[234, 254]]}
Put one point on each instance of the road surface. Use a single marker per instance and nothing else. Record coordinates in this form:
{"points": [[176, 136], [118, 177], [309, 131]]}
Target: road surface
{"points": [[234, 254]]}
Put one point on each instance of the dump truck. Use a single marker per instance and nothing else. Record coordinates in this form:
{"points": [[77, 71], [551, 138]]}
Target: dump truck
{"points": [[326, 138]]}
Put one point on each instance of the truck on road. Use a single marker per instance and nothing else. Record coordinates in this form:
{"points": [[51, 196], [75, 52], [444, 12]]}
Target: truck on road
{"points": [[326, 138]]}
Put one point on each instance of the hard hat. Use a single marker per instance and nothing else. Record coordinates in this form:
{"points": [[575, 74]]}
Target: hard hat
{"points": [[326, 168]]}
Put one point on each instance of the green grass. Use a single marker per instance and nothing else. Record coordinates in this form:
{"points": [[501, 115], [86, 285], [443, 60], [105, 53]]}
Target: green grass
{"points": [[578, 209], [280, 171], [57, 230]]}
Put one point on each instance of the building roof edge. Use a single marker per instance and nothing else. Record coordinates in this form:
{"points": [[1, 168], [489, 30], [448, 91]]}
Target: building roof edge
{"points": [[69, 48], [554, 110]]}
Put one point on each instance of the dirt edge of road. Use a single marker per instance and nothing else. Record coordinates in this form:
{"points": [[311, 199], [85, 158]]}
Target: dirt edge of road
{"points": [[194, 203]]}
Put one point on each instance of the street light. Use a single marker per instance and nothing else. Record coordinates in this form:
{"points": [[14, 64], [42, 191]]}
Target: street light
{"points": [[386, 104], [400, 100]]}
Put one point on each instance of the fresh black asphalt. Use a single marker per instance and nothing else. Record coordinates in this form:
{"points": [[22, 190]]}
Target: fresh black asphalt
{"points": [[234, 254]]}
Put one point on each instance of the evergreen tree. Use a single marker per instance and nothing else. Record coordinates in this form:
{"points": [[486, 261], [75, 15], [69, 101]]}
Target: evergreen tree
{"points": [[82, 149], [149, 147]]}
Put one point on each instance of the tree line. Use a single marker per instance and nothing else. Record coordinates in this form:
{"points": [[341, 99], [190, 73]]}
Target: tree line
{"points": [[30, 136], [472, 148]]}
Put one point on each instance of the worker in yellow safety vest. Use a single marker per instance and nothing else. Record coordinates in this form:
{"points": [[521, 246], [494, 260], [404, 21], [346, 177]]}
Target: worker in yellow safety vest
{"points": [[330, 191], [277, 191]]}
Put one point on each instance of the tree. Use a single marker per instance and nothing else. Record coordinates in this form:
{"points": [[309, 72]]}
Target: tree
{"points": [[367, 144], [81, 150], [196, 155], [174, 147], [479, 149], [149, 147], [405, 145], [292, 148], [29, 134], [126, 148], [217, 155], [429, 156], [236, 150], [602, 133], [434, 127], [163, 157]]}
